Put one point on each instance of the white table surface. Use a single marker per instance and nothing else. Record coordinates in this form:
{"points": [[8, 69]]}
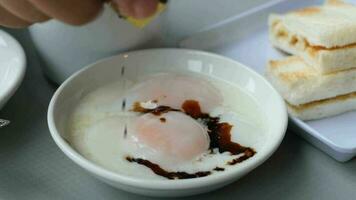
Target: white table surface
{"points": [[32, 167]]}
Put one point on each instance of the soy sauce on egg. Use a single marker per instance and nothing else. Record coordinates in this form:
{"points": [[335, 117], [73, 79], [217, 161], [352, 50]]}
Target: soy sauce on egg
{"points": [[219, 134]]}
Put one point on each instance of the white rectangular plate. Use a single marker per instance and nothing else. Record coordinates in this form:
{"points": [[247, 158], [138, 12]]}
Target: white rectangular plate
{"points": [[245, 39]]}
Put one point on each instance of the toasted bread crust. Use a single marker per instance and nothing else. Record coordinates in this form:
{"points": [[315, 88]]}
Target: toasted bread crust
{"points": [[281, 31], [323, 102], [325, 60], [329, 26], [337, 3], [307, 11], [300, 83]]}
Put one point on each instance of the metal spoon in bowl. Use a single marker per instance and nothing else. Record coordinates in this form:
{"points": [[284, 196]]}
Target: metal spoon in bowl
{"points": [[4, 122]]}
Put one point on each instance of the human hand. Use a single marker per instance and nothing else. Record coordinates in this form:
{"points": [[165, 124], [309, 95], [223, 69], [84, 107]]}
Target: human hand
{"points": [[22, 13]]}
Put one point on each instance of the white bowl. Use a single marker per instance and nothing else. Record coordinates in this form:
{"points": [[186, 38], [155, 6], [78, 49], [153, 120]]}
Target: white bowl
{"points": [[12, 66], [151, 61]]}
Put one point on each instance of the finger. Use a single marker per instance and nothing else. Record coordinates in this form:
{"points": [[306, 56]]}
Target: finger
{"points": [[137, 8], [74, 12], [10, 20], [24, 10], [144, 8], [125, 7]]}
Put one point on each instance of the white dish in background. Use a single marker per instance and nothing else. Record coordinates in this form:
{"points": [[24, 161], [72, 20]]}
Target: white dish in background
{"points": [[66, 49], [12, 66], [168, 60], [245, 38]]}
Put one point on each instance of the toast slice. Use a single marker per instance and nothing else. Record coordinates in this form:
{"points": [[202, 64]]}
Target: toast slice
{"points": [[299, 83], [323, 36], [324, 108]]}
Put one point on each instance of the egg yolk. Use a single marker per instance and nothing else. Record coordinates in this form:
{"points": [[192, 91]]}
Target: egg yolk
{"points": [[173, 136]]}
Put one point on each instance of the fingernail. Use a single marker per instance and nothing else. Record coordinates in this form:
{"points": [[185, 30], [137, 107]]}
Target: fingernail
{"points": [[124, 7], [144, 8]]}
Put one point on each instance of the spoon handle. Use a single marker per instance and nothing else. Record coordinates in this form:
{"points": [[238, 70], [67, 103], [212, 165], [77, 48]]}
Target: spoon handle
{"points": [[4, 122]]}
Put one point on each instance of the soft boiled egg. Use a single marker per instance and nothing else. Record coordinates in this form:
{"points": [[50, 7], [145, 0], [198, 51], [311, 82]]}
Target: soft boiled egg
{"points": [[166, 139], [173, 89], [170, 139]]}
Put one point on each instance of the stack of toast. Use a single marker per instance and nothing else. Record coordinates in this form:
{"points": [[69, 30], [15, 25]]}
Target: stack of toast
{"points": [[319, 79]]}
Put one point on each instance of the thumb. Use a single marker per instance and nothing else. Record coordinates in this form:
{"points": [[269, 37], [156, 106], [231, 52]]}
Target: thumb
{"points": [[136, 8]]}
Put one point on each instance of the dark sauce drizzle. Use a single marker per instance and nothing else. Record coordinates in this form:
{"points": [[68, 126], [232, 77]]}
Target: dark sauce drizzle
{"points": [[219, 169], [219, 133], [161, 172], [156, 111]]}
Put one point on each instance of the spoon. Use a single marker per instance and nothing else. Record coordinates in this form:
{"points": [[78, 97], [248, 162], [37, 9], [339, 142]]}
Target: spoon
{"points": [[4, 122]]}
